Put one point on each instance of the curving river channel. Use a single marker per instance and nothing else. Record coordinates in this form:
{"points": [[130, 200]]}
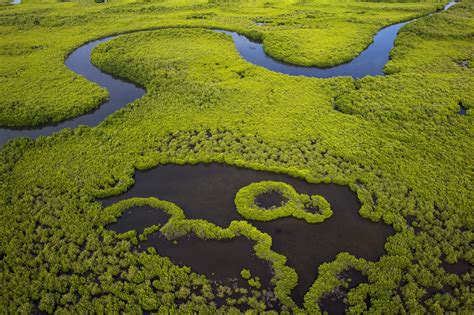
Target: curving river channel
{"points": [[201, 189], [370, 62]]}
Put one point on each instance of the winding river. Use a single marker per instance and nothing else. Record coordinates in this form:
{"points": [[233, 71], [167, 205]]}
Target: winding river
{"points": [[370, 62], [201, 189]]}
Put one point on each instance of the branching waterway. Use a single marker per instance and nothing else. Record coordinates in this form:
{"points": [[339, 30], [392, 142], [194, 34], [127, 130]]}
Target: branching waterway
{"points": [[121, 92]]}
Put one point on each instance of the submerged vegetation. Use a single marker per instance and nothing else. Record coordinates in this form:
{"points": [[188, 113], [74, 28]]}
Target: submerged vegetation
{"points": [[397, 141]]}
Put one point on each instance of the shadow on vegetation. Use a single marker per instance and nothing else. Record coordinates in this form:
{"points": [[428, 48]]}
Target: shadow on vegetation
{"points": [[462, 109]]}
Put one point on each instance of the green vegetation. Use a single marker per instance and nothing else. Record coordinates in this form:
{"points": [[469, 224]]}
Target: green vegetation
{"points": [[296, 205], [320, 38], [329, 280], [178, 226], [37, 87], [396, 141], [253, 282], [245, 273]]}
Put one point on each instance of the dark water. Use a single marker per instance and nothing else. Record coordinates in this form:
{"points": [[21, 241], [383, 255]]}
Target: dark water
{"points": [[208, 192], [333, 302], [139, 218], [221, 260], [120, 91], [370, 62], [270, 199], [460, 267]]}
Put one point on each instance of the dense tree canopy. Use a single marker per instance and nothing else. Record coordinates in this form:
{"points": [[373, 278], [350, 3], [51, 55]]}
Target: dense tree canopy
{"points": [[397, 141]]}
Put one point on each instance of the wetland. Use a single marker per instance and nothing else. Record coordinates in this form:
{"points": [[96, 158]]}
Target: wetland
{"points": [[227, 156]]}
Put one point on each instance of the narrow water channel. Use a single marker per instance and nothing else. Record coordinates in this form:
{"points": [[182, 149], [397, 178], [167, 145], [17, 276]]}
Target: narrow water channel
{"points": [[208, 191], [121, 92], [371, 61]]}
